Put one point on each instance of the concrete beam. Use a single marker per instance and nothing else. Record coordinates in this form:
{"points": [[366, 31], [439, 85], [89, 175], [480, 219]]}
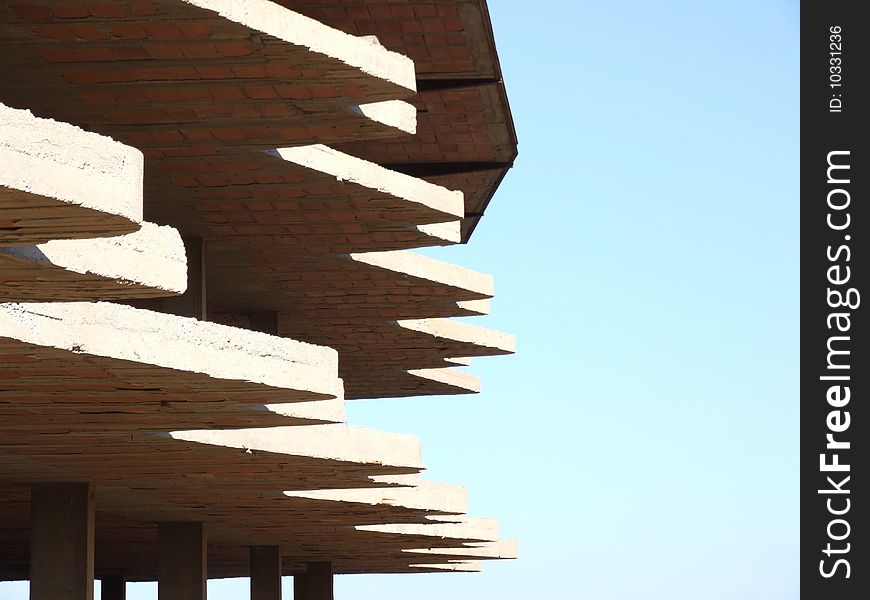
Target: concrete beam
{"points": [[429, 269], [315, 583], [366, 56], [483, 341], [423, 495], [145, 264], [62, 541], [113, 588], [460, 528], [182, 569], [442, 204], [60, 182], [329, 442], [182, 352], [265, 573]]}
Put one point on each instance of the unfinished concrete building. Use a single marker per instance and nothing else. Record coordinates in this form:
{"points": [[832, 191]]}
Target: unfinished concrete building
{"points": [[206, 211]]}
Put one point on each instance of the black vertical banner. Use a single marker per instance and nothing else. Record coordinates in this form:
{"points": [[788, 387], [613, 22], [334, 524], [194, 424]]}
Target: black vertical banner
{"points": [[835, 300]]}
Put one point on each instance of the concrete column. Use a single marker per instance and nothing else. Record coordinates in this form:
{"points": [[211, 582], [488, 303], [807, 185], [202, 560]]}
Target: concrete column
{"points": [[265, 573], [113, 588], [181, 574], [315, 583], [191, 303], [62, 541]]}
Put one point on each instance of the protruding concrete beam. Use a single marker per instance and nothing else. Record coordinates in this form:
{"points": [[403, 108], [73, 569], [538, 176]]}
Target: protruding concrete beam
{"points": [[113, 588], [501, 549], [329, 442], [441, 234], [144, 264], [424, 495], [182, 569], [461, 566], [62, 541], [265, 573], [459, 381], [462, 528], [423, 267], [60, 182], [315, 583], [400, 115], [173, 350], [342, 48], [484, 341], [382, 184]]}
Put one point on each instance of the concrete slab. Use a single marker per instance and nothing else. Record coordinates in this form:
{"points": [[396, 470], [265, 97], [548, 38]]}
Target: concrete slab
{"points": [[313, 36], [429, 269], [328, 442], [60, 182], [501, 549], [380, 183], [185, 350], [144, 264], [424, 495]]}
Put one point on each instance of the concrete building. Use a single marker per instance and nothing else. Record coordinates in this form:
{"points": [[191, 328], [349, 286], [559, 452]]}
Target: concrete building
{"points": [[207, 209]]}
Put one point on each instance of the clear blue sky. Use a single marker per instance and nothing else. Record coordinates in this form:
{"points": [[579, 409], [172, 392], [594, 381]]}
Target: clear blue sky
{"points": [[643, 443]]}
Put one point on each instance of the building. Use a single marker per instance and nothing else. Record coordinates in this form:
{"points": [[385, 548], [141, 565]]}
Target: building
{"points": [[206, 211]]}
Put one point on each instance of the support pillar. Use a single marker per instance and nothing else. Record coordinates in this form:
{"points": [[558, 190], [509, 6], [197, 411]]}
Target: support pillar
{"points": [[191, 303], [181, 573], [62, 541], [315, 583], [265, 573], [113, 588]]}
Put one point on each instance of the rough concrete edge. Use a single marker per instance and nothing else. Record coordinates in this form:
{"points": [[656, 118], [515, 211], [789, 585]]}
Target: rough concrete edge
{"points": [[458, 380], [397, 114], [498, 550], [450, 329], [458, 361], [446, 233], [172, 342], [463, 566], [294, 28], [424, 495], [346, 168], [329, 442], [478, 307], [152, 257], [462, 528], [331, 410], [89, 168], [407, 479], [430, 269]]}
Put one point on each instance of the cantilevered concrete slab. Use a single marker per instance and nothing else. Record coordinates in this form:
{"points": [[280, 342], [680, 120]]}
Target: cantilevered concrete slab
{"points": [[503, 549], [424, 495], [404, 357], [59, 182], [387, 192], [202, 58], [342, 290], [178, 468], [339, 443], [308, 200], [306, 529], [92, 364], [147, 263]]}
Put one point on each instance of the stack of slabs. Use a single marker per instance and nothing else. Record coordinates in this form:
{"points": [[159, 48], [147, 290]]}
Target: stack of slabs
{"points": [[213, 119]]}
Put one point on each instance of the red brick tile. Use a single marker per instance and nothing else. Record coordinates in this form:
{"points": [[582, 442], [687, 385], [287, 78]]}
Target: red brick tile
{"points": [[71, 11]]}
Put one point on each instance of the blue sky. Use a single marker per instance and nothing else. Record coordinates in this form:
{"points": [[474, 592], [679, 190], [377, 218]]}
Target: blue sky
{"points": [[643, 442]]}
